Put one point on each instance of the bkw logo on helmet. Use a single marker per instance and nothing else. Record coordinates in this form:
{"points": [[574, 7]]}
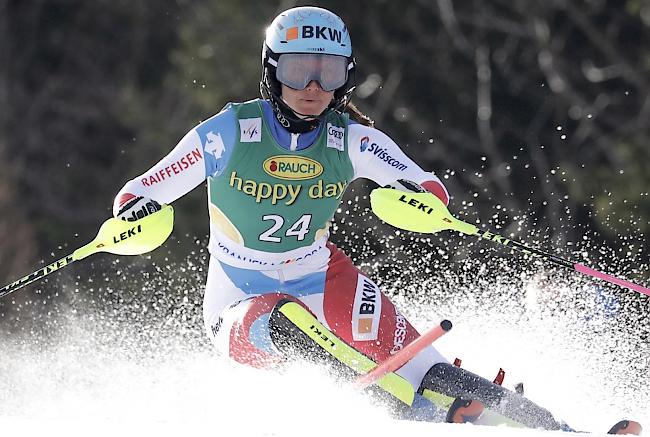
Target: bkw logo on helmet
{"points": [[318, 32]]}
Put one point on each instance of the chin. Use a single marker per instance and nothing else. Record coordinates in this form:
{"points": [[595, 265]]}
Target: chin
{"points": [[311, 111]]}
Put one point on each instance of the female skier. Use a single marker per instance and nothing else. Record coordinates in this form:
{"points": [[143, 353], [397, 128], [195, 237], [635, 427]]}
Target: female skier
{"points": [[277, 169]]}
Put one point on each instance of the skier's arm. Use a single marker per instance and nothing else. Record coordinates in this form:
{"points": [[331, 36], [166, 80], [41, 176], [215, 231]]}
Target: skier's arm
{"points": [[201, 152], [375, 156], [175, 175]]}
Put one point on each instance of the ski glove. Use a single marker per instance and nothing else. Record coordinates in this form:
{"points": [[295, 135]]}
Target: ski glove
{"points": [[137, 207], [432, 186], [406, 185]]}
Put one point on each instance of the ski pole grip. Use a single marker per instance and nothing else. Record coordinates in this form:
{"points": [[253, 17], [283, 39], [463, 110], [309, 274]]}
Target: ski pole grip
{"points": [[400, 358]]}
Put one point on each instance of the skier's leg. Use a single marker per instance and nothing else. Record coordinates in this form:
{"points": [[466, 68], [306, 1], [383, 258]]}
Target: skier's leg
{"points": [[361, 315], [244, 330], [237, 322], [455, 382], [297, 333]]}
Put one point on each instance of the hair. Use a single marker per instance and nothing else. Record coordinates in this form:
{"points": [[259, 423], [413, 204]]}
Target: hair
{"points": [[358, 116]]}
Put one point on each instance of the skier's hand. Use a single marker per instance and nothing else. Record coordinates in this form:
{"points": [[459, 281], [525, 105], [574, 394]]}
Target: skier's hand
{"points": [[132, 208], [406, 185], [432, 186]]}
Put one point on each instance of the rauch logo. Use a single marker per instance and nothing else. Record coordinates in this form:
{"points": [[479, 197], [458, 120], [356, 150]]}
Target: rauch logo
{"points": [[292, 167]]}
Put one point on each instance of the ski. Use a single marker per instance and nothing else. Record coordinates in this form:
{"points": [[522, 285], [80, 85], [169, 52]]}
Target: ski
{"points": [[295, 332]]}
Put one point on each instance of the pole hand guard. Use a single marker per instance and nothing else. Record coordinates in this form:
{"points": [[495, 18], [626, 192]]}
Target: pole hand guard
{"points": [[416, 212]]}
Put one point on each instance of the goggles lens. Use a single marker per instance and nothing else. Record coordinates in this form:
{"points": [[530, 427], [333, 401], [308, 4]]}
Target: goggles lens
{"points": [[296, 70]]}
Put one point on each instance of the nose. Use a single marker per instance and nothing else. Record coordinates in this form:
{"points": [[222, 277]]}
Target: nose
{"points": [[314, 85]]}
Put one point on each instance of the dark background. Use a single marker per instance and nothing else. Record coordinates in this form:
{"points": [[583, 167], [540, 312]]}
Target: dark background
{"points": [[535, 114]]}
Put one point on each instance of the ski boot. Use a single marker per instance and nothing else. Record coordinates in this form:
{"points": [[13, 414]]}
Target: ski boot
{"points": [[454, 382], [629, 427]]}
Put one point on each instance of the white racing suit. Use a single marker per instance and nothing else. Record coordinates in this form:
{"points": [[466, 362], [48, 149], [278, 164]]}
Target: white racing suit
{"points": [[244, 283]]}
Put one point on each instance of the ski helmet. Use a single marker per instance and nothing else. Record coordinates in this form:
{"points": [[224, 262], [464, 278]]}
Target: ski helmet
{"points": [[311, 31]]}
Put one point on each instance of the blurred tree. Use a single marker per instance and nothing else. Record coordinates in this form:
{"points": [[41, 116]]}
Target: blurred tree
{"points": [[16, 233], [72, 65], [536, 115]]}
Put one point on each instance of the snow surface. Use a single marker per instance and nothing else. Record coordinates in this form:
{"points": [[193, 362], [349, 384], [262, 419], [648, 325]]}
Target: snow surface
{"points": [[116, 374]]}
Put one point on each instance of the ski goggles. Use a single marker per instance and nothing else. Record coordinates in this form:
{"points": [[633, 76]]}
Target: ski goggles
{"points": [[296, 70]]}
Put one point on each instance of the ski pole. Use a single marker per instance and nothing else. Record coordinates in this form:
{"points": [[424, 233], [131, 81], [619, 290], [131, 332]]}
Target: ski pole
{"points": [[424, 212], [400, 358], [115, 236]]}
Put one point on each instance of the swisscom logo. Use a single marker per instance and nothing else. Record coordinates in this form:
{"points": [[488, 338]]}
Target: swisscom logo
{"points": [[292, 167], [381, 153]]}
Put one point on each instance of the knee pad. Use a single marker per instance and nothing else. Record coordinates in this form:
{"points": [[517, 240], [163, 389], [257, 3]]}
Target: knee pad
{"points": [[242, 331]]}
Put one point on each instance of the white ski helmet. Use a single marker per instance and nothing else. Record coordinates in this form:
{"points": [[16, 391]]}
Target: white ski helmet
{"points": [[308, 32]]}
